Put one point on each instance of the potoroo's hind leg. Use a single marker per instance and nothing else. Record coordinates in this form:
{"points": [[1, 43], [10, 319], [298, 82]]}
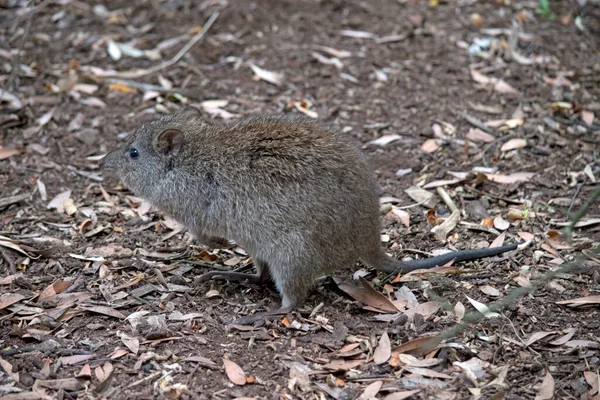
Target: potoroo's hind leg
{"points": [[292, 288]]}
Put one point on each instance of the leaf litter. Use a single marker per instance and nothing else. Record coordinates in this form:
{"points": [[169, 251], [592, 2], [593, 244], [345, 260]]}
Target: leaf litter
{"points": [[118, 266]]}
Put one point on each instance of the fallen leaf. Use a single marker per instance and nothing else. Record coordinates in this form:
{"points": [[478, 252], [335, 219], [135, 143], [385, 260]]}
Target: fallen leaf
{"points": [[421, 196], [512, 178], [581, 301], [368, 296], [234, 372], [105, 310], [133, 344], [268, 76], [441, 231], [70, 360], [424, 309], [537, 336], [459, 311], [383, 351], [482, 308], [477, 135], [526, 235], [85, 372], [546, 389], [592, 379], [342, 364], [570, 332], [6, 152], [357, 34], [402, 215], [587, 117], [490, 291], [419, 346], [500, 223], [58, 201], [405, 394], [8, 369], [67, 384], [430, 145], [371, 391], [384, 140], [428, 372], [514, 144], [8, 299]]}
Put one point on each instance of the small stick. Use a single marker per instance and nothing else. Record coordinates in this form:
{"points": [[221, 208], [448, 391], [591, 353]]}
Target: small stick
{"points": [[494, 143], [447, 199], [474, 121], [142, 72]]}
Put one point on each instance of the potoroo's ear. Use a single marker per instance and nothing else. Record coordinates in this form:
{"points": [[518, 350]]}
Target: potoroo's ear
{"points": [[190, 110], [168, 142]]}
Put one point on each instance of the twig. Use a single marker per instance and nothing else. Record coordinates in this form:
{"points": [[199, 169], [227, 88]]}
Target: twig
{"points": [[142, 72], [447, 199], [43, 349], [17, 57], [474, 121], [494, 143], [568, 231], [574, 198], [149, 378]]}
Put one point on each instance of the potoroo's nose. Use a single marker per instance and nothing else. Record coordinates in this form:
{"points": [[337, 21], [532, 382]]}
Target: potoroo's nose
{"points": [[101, 162]]}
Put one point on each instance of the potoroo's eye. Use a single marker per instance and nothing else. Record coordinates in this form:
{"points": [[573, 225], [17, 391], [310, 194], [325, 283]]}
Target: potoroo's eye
{"points": [[133, 153]]}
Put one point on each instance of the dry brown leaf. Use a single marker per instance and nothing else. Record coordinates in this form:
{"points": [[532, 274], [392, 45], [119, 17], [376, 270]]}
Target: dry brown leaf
{"points": [[54, 289], [587, 117], [371, 391], [500, 223], [234, 372], [6, 152], [85, 372], [592, 379], [421, 196], [58, 201], [268, 76], [526, 235], [583, 343], [68, 384], [70, 360], [105, 310], [8, 369], [479, 136], [512, 178], [202, 361], [419, 346], [490, 291], [405, 394], [570, 332], [425, 309], [537, 336], [412, 361], [430, 145], [402, 215], [342, 364], [428, 372], [368, 296], [514, 144], [133, 344], [441, 231], [546, 389], [522, 281], [384, 140], [499, 241], [581, 301], [383, 351], [459, 311], [8, 299]]}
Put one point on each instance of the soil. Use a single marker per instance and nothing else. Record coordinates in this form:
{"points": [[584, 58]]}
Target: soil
{"points": [[69, 279]]}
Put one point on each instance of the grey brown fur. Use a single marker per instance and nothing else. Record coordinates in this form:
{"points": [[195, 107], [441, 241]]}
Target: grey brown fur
{"points": [[296, 194]]}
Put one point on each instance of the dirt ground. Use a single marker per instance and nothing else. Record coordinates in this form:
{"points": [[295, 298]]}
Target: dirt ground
{"points": [[496, 102]]}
